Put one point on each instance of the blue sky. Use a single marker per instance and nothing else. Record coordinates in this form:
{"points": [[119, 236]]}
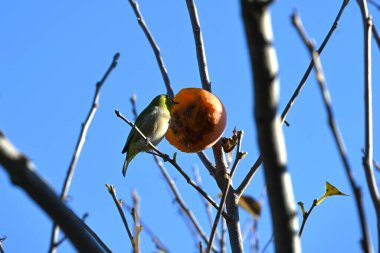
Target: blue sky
{"points": [[53, 53]]}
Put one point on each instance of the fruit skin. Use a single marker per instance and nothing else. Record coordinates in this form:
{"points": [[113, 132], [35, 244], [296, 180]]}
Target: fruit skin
{"points": [[197, 121], [153, 122]]}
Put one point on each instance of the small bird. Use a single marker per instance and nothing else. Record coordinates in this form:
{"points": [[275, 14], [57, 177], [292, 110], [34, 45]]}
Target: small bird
{"points": [[153, 122]]}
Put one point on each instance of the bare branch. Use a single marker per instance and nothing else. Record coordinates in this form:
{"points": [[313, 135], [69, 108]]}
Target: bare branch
{"points": [[22, 173], [374, 3], [376, 35], [306, 216], [180, 201], [79, 146], [111, 189], [239, 155], [198, 180], [153, 44], [222, 241], [217, 217], [228, 179], [136, 219], [366, 243], [207, 163], [172, 162], [1, 244], [134, 109], [244, 184], [376, 165], [201, 56], [368, 145], [157, 242]]}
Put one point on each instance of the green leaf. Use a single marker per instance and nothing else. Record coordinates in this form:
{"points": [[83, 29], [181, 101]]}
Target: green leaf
{"points": [[330, 190]]}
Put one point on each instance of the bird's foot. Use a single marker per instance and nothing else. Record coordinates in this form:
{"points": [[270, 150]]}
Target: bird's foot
{"points": [[147, 141]]}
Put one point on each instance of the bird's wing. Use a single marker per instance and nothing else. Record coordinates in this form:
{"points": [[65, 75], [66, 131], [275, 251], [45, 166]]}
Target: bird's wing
{"points": [[141, 123]]}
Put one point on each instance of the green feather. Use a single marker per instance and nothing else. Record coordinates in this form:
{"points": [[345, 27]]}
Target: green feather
{"points": [[150, 122]]}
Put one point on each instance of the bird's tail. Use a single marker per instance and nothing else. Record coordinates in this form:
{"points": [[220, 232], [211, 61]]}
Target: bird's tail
{"points": [[125, 166]]}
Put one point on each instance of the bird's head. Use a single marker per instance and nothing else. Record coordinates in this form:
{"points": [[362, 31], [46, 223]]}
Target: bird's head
{"points": [[164, 101]]}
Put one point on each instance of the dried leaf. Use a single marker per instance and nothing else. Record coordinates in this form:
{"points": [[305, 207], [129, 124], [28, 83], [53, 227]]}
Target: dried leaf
{"points": [[251, 205], [229, 144]]}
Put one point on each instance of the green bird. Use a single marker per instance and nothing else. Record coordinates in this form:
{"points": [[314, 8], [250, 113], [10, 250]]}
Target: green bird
{"points": [[153, 122]]}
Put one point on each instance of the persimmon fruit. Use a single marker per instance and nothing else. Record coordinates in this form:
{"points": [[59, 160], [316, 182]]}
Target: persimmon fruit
{"points": [[197, 121]]}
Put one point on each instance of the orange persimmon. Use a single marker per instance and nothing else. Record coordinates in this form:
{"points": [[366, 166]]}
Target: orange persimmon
{"points": [[197, 121]]}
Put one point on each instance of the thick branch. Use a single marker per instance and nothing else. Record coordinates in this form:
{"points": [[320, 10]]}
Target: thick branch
{"points": [[258, 29], [22, 174], [248, 178]]}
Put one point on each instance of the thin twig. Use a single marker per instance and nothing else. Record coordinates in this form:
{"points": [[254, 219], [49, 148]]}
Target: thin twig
{"points": [[136, 219], [1, 244], [134, 109], [374, 3], [244, 184], [173, 162], [376, 35], [156, 241], [198, 180], [271, 239], [153, 44], [22, 173], [201, 56], [376, 165], [255, 243], [222, 241], [368, 111], [207, 163], [247, 179], [228, 179], [118, 203], [180, 201], [366, 243], [218, 214], [79, 146], [305, 216], [239, 155]]}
